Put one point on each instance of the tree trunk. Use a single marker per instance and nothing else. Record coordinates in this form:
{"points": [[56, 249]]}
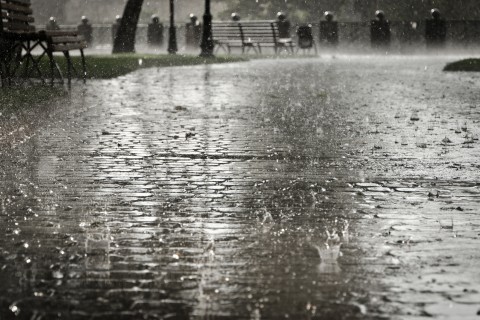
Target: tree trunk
{"points": [[124, 41]]}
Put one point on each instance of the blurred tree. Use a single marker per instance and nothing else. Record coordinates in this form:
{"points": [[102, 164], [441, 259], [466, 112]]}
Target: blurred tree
{"points": [[414, 10], [44, 9], [124, 41], [296, 10], [312, 10]]}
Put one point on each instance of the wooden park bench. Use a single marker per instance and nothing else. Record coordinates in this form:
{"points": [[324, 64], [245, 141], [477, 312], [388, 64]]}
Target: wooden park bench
{"points": [[16, 34], [19, 39], [250, 35]]}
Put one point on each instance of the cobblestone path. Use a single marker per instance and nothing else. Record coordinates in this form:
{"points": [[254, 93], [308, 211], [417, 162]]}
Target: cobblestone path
{"points": [[332, 188]]}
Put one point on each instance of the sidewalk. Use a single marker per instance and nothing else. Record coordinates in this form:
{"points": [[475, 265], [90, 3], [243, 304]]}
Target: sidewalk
{"points": [[207, 192]]}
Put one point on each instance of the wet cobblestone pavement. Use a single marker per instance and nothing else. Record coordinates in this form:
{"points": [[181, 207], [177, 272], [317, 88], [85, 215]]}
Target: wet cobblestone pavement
{"points": [[332, 188]]}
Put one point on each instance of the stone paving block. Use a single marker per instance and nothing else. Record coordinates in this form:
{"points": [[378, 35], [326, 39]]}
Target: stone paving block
{"points": [[322, 197]]}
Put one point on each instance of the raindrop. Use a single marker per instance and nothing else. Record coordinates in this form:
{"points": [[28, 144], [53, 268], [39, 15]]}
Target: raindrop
{"points": [[457, 128], [414, 117], [361, 308], [256, 315], [468, 139], [446, 140], [320, 132], [421, 143], [14, 309], [267, 218]]}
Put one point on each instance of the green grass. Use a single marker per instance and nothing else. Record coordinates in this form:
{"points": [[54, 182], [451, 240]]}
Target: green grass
{"points": [[471, 65], [112, 66], [98, 67], [17, 98]]}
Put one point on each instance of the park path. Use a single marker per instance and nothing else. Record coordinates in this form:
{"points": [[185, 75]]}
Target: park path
{"points": [[211, 192]]}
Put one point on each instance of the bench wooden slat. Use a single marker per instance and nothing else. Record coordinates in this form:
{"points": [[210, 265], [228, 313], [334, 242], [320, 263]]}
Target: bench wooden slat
{"points": [[249, 34], [16, 8], [18, 17], [228, 36], [68, 47], [21, 2], [12, 26], [59, 33], [67, 39]]}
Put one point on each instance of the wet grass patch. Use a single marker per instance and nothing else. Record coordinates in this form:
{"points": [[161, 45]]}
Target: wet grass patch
{"points": [[17, 98], [468, 65], [113, 66]]}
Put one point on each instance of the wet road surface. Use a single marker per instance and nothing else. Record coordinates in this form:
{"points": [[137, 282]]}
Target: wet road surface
{"points": [[334, 188]]}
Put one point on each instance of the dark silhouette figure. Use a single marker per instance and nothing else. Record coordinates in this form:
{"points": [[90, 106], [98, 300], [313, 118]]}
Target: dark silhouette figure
{"points": [[435, 30], [193, 32], [235, 17], [380, 31], [115, 26], [155, 32], [85, 29], [52, 24], [283, 26], [329, 29]]}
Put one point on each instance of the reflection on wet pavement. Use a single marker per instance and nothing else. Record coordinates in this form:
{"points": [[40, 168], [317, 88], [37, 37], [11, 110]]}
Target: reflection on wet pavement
{"points": [[333, 188]]}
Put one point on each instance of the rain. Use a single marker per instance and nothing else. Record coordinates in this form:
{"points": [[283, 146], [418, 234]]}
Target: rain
{"points": [[226, 159]]}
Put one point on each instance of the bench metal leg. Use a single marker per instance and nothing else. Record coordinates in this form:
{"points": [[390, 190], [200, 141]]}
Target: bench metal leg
{"points": [[14, 61], [84, 66], [3, 74], [20, 61], [28, 57], [69, 67], [225, 48], [52, 67], [36, 61]]}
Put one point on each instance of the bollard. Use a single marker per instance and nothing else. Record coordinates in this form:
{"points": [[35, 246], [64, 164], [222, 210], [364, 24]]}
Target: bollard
{"points": [[155, 32], [193, 32], [115, 26], [283, 26], [329, 30], [85, 29], [380, 31], [435, 30], [305, 37], [235, 17], [52, 24]]}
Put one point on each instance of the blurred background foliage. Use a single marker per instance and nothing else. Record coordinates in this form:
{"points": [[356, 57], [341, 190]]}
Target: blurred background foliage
{"points": [[353, 10], [102, 11]]}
